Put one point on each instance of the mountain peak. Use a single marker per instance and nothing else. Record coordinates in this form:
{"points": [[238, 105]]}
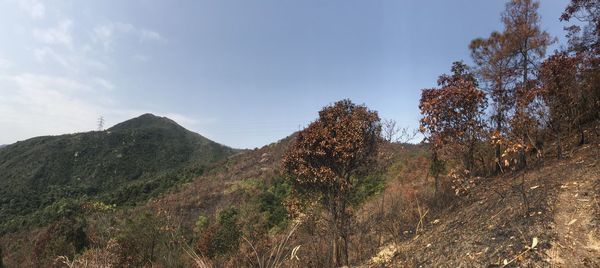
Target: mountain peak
{"points": [[145, 121]]}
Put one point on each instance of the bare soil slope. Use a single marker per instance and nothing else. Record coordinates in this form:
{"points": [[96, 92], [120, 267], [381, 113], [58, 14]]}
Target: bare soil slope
{"points": [[575, 220], [495, 225]]}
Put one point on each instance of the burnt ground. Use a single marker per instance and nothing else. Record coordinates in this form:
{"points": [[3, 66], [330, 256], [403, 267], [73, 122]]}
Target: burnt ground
{"points": [[555, 203], [576, 224]]}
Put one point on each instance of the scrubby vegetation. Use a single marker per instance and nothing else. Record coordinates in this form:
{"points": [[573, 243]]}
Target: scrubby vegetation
{"points": [[503, 140], [47, 178]]}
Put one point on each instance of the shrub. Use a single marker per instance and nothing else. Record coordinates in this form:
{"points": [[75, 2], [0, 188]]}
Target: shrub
{"points": [[139, 239], [222, 238]]}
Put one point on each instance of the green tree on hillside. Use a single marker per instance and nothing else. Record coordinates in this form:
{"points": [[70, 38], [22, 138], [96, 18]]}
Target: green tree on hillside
{"points": [[140, 238], [223, 237]]}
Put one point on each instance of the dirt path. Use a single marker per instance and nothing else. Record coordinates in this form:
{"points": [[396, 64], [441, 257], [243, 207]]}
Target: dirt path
{"points": [[576, 223]]}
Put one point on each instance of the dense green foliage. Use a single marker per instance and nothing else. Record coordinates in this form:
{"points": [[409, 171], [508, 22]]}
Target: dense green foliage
{"points": [[223, 237], [44, 178], [367, 187], [140, 238], [270, 202]]}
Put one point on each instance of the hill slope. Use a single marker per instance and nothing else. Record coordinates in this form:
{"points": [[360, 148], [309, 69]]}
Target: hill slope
{"points": [[401, 221], [233, 181], [556, 202], [43, 178]]}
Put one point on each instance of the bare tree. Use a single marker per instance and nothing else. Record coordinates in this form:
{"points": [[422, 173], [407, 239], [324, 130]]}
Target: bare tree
{"points": [[391, 132]]}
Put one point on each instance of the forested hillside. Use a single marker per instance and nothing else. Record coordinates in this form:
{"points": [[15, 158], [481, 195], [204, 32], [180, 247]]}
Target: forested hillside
{"points": [[45, 178]]}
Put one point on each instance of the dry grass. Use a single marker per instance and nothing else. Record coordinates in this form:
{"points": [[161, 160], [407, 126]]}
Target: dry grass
{"points": [[495, 223], [277, 255]]}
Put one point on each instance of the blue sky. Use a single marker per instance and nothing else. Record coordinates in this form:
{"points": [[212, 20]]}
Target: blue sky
{"points": [[243, 73]]}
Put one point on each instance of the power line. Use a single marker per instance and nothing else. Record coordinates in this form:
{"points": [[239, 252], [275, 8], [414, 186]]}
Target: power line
{"points": [[101, 123]]}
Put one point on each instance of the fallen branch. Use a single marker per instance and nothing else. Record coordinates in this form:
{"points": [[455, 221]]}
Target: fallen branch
{"points": [[534, 243]]}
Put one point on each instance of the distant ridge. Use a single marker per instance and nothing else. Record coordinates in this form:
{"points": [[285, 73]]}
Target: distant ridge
{"points": [[128, 163]]}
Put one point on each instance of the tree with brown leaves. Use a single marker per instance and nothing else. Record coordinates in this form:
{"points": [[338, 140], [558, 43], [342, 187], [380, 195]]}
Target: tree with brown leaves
{"points": [[526, 46], [525, 42], [326, 162], [586, 39], [560, 92], [494, 70], [453, 116]]}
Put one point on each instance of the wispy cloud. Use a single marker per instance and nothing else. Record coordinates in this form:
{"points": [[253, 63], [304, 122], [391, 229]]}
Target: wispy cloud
{"points": [[44, 54], [34, 105], [38, 83], [148, 35], [140, 57], [108, 32], [61, 34], [103, 34], [103, 83], [41, 105], [79, 88], [4, 64], [75, 62], [34, 8]]}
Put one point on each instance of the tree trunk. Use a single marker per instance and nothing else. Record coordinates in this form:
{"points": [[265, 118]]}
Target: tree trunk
{"points": [[437, 184], [558, 148], [558, 144], [522, 159], [581, 135], [498, 161], [471, 156], [335, 260], [522, 155], [381, 218], [435, 164], [520, 102], [153, 245], [344, 231], [498, 149]]}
